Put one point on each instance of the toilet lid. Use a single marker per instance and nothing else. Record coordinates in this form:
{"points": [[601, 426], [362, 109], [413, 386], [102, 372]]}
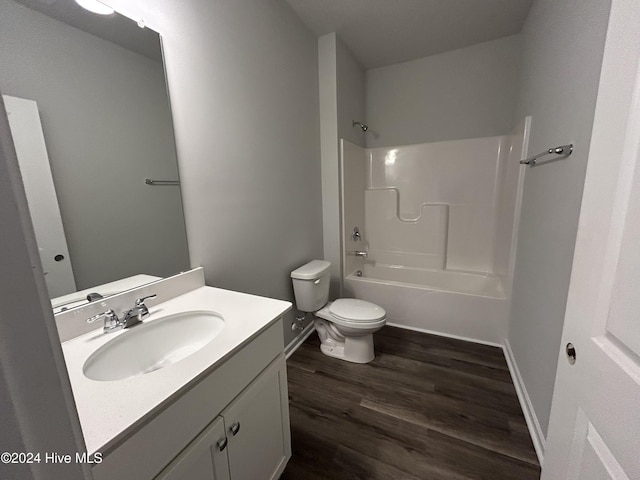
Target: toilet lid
{"points": [[354, 310]]}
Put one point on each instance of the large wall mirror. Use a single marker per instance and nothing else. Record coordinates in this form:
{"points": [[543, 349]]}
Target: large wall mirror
{"points": [[87, 104]]}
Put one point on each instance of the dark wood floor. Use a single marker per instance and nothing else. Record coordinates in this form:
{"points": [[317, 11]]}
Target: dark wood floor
{"points": [[427, 407]]}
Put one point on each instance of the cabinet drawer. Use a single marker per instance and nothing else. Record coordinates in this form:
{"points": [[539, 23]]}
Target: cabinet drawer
{"points": [[163, 436]]}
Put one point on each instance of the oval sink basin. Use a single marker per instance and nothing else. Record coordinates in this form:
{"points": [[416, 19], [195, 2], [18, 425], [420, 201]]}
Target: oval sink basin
{"points": [[152, 346]]}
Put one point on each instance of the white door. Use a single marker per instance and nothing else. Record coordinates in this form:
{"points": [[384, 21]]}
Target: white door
{"points": [[33, 159], [594, 432]]}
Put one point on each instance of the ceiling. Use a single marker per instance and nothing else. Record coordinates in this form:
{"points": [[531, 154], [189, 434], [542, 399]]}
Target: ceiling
{"points": [[114, 28], [383, 32]]}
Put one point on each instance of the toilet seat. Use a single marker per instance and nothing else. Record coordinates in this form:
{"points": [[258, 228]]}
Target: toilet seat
{"points": [[367, 315], [356, 311]]}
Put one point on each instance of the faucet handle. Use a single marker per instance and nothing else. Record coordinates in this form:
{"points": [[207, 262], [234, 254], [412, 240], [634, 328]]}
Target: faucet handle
{"points": [[140, 301], [111, 321], [109, 315]]}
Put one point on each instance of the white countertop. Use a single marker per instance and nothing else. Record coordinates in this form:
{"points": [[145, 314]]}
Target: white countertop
{"points": [[108, 409]]}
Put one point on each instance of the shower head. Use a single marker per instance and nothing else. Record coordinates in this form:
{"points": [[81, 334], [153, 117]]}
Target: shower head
{"points": [[361, 125]]}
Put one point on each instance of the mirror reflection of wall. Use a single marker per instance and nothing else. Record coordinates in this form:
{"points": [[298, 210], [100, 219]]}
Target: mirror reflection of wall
{"points": [[106, 122]]}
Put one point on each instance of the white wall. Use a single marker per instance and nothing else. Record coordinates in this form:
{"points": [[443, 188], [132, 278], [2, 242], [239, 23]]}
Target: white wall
{"points": [[342, 96], [561, 60], [243, 84], [107, 126], [466, 93]]}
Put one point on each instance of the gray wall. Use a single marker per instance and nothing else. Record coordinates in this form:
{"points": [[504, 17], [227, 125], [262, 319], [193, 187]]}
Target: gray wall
{"points": [[243, 82], [350, 78], [466, 93], [563, 44], [330, 172], [107, 125], [342, 96], [37, 410]]}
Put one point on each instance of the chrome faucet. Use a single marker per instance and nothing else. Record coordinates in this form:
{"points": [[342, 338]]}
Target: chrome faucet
{"points": [[129, 319], [359, 253], [139, 312]]}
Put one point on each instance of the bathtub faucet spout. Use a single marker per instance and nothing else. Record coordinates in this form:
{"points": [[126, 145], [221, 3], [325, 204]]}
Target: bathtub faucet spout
{"points": [[359, 253]]}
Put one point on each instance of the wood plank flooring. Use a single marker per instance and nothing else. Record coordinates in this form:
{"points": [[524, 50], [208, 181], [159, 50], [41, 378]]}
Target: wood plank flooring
{"points": [[427, 407]]}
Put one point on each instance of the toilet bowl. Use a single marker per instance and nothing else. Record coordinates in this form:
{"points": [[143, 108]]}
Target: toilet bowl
{"points": [[345, 326]]}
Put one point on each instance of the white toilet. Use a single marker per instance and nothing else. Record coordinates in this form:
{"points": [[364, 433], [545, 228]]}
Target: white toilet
{"points": [[345, 326]]}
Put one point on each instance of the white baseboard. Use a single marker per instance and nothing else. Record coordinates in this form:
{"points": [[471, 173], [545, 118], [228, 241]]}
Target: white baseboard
{"points": [[299, 340], [525, 403], [448, 335]]}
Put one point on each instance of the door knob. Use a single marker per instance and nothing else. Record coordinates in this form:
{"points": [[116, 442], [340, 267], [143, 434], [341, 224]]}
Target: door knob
{"points": [[571, 353]]}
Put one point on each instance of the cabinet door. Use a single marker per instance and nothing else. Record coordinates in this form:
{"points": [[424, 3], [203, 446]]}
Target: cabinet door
{"points": [[257, 424], [204, 459]]}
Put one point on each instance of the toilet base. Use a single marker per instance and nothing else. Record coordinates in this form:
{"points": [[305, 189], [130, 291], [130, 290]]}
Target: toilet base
{"points": [[333, 343]]}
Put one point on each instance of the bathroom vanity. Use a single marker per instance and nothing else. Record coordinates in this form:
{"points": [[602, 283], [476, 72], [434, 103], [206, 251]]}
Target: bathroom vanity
{"points": [[221, 412]]}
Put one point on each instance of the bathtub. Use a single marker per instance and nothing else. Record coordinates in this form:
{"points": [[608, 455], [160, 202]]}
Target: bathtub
{"points": [[466, 305], [469, 283]]}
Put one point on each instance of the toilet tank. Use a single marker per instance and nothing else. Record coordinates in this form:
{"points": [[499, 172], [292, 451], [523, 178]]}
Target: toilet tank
{"points": [[311, 285]]}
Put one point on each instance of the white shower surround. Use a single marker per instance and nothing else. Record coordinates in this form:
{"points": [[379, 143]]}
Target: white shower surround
{"points": [[439, 221]]}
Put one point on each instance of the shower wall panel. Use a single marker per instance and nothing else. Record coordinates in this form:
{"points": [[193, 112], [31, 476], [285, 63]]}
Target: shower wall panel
{"points": [[417, 243], [463, 176]]}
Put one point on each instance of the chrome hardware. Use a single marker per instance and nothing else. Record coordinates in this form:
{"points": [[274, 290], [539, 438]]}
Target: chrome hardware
{"points": [[565, 150], [111, 321], [364, 127], [571, 353], [129, 318], [358, 273], [140, 301], [138, 313], [148, 181], [355, 236], [359, 253], [298, 324], [234, 428], [222, 443]]}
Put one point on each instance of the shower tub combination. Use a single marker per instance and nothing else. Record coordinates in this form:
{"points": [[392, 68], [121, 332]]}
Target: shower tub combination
{"points": [[438, 223]]}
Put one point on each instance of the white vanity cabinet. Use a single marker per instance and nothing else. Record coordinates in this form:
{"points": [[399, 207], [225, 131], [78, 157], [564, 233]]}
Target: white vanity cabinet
{"points": [[204, 459], [193, 437], [248, 441]]}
